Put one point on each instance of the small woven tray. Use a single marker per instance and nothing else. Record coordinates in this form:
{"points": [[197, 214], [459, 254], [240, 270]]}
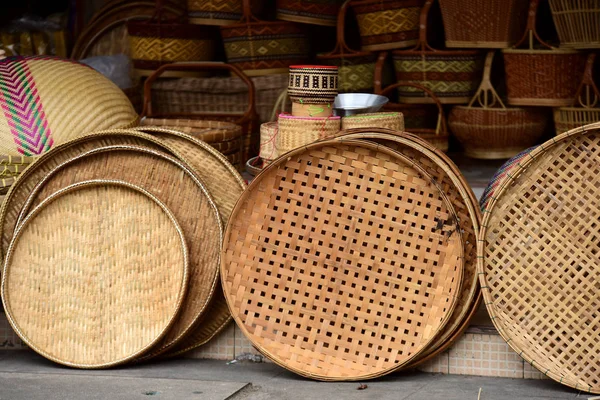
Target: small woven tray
{"points": [[538, 258], [171, 181], [342, 261], [94, 274]]}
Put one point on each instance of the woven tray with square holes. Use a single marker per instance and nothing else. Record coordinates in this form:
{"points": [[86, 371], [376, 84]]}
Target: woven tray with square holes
{"points": [[538, 258], [342, 261]]}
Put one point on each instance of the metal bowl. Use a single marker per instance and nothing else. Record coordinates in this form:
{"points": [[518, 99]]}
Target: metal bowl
{"points": [[357, 103]]}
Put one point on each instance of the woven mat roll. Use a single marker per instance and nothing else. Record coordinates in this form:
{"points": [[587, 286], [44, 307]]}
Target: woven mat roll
{"points": [[94, 274], [295, 132], [388, 120]]}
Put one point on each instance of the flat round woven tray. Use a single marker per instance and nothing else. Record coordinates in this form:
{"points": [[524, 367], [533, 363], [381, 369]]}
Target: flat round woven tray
{"points": [[170, 181], [447, 175], [342, 260], [84, 268], [538, 258]]}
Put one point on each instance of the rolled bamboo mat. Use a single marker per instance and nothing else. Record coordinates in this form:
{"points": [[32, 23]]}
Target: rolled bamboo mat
{"points": [[76, 269]]}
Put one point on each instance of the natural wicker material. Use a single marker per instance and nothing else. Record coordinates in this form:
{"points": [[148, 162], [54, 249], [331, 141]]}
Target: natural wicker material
{"points": [[496, 24], [255, 165], [264, 48], [214, 12], [387, 24], [489, 130], [319, 12], [577, 23], [541, 77], [268, 141], [316, 84], [447, 174], [35, 114], [139, 258], [170, 180], [340, 260], [312, 110], [453, 75], [10, 169], [537, 258], [299, 131], [586, 109], [388, 120]]}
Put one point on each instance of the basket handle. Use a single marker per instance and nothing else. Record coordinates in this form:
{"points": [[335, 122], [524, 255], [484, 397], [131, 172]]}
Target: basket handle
{"points": [[378, 76], [588, 94], [486, 95], [158, 15], [197, 66], [340, 46], [279, 106], [530, 30], [422, 44], [441, 123], [247, 15]]}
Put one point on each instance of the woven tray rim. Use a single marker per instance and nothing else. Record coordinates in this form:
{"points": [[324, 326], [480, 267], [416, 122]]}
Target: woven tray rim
{"points": [[58, 194]]}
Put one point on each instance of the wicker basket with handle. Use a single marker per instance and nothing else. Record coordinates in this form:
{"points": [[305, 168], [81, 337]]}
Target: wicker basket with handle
{"points": [[577, 23], [453, 75], [355, 68], [543, 76], [586, 109], [316, 12], [488, 129]]}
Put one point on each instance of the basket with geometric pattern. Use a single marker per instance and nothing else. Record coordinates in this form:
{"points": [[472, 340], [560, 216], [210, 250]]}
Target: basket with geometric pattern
{"points": [[316, 12], [217, 12]]}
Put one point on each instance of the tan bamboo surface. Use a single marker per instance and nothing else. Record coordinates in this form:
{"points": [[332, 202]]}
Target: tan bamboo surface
{"points": [[77, 282], [487, 129], [294, 132], [537, 258], [268, 141], [328, 276], [312, 110], [170, 181], [388, 120], [449, 177], [577, 23], [10, 169]]}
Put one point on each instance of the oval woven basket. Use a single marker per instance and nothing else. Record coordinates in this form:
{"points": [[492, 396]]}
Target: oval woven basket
{"points": [[321, 12], [295, 132], [577, 23], [141, 252], [489, 130], [387, 120], [537, 258]]}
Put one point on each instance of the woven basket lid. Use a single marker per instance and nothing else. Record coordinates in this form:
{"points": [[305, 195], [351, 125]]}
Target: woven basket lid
{"points": [[342, 260], [91, 259], [36, 114], [538, 258], [170, 181], [459, 193]]}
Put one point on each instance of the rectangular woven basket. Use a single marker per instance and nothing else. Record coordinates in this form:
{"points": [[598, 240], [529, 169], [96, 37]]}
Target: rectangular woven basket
{"points": [[577, 23]]}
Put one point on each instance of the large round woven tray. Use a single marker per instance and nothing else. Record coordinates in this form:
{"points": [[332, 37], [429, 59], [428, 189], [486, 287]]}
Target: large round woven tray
{"points": [[170, 181], [538, 258], [342, 260], [445, 172], [83, 269]]}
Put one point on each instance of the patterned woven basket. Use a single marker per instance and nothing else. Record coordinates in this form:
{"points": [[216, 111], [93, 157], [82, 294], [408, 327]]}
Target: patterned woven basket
{"points": [[11, 168], [316, 12], [541, 77], [355, 68], [314, 84], [587, 103], [388, 120], [387, 24], [264, 48], [577, 23], [295, 132], [453, 75], [217, 12], [495, 24], [489, 130]]}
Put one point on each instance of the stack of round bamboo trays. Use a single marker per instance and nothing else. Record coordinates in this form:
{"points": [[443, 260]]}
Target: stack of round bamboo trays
{"points": [[353, 256], [111, 245]]}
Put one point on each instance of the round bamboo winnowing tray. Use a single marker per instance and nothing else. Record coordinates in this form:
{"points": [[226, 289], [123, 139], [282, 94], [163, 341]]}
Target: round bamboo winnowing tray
{"points": [[83, 268], [170, 181], [538, 258], [445, 172], [342, 261]]}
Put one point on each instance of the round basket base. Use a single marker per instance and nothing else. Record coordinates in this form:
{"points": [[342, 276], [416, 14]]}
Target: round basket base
{"points": [[266, 71], [212, 21], [429, 100], [493, 154], [478, 45], [173, 74], [305, 20], [390, 46], [540, 102]]}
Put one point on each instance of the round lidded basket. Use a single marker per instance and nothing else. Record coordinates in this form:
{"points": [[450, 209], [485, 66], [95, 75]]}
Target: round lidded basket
{"points": [[313, 83], [313, 264], [141, 252], [388, 120], [577, 23], [489, 130], [295, 132], [321, 12]]}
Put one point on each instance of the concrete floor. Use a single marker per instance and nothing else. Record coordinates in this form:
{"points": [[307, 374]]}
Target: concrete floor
{"points": [[25, 375]]}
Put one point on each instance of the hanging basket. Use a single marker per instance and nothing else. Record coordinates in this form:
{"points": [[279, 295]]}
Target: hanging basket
{"points": [[319, 12], [489, 130], [453, 75], [543, 76], [577, 23]]}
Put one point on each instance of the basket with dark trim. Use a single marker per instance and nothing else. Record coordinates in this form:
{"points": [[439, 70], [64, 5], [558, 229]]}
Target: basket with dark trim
{"points": [[316, 12], [313, 84]]}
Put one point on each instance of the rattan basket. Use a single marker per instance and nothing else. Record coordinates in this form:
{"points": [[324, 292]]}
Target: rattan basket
{"points": [[268, 141], [312, 110], [387, 24], [453, 75], [295, 132], [586, 109], [355, 68], [577, 23], [489, 130], [247, 48], [388, 120], [216, 12], [496, 24], [543, 76], [319, 12]]}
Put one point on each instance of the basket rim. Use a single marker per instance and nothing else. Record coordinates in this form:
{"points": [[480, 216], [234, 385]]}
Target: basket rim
{"points": [[464, 53]]}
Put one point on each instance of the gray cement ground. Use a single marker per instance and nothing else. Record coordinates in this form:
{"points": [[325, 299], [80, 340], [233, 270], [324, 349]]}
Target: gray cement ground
{"points": [[25, 375]]}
